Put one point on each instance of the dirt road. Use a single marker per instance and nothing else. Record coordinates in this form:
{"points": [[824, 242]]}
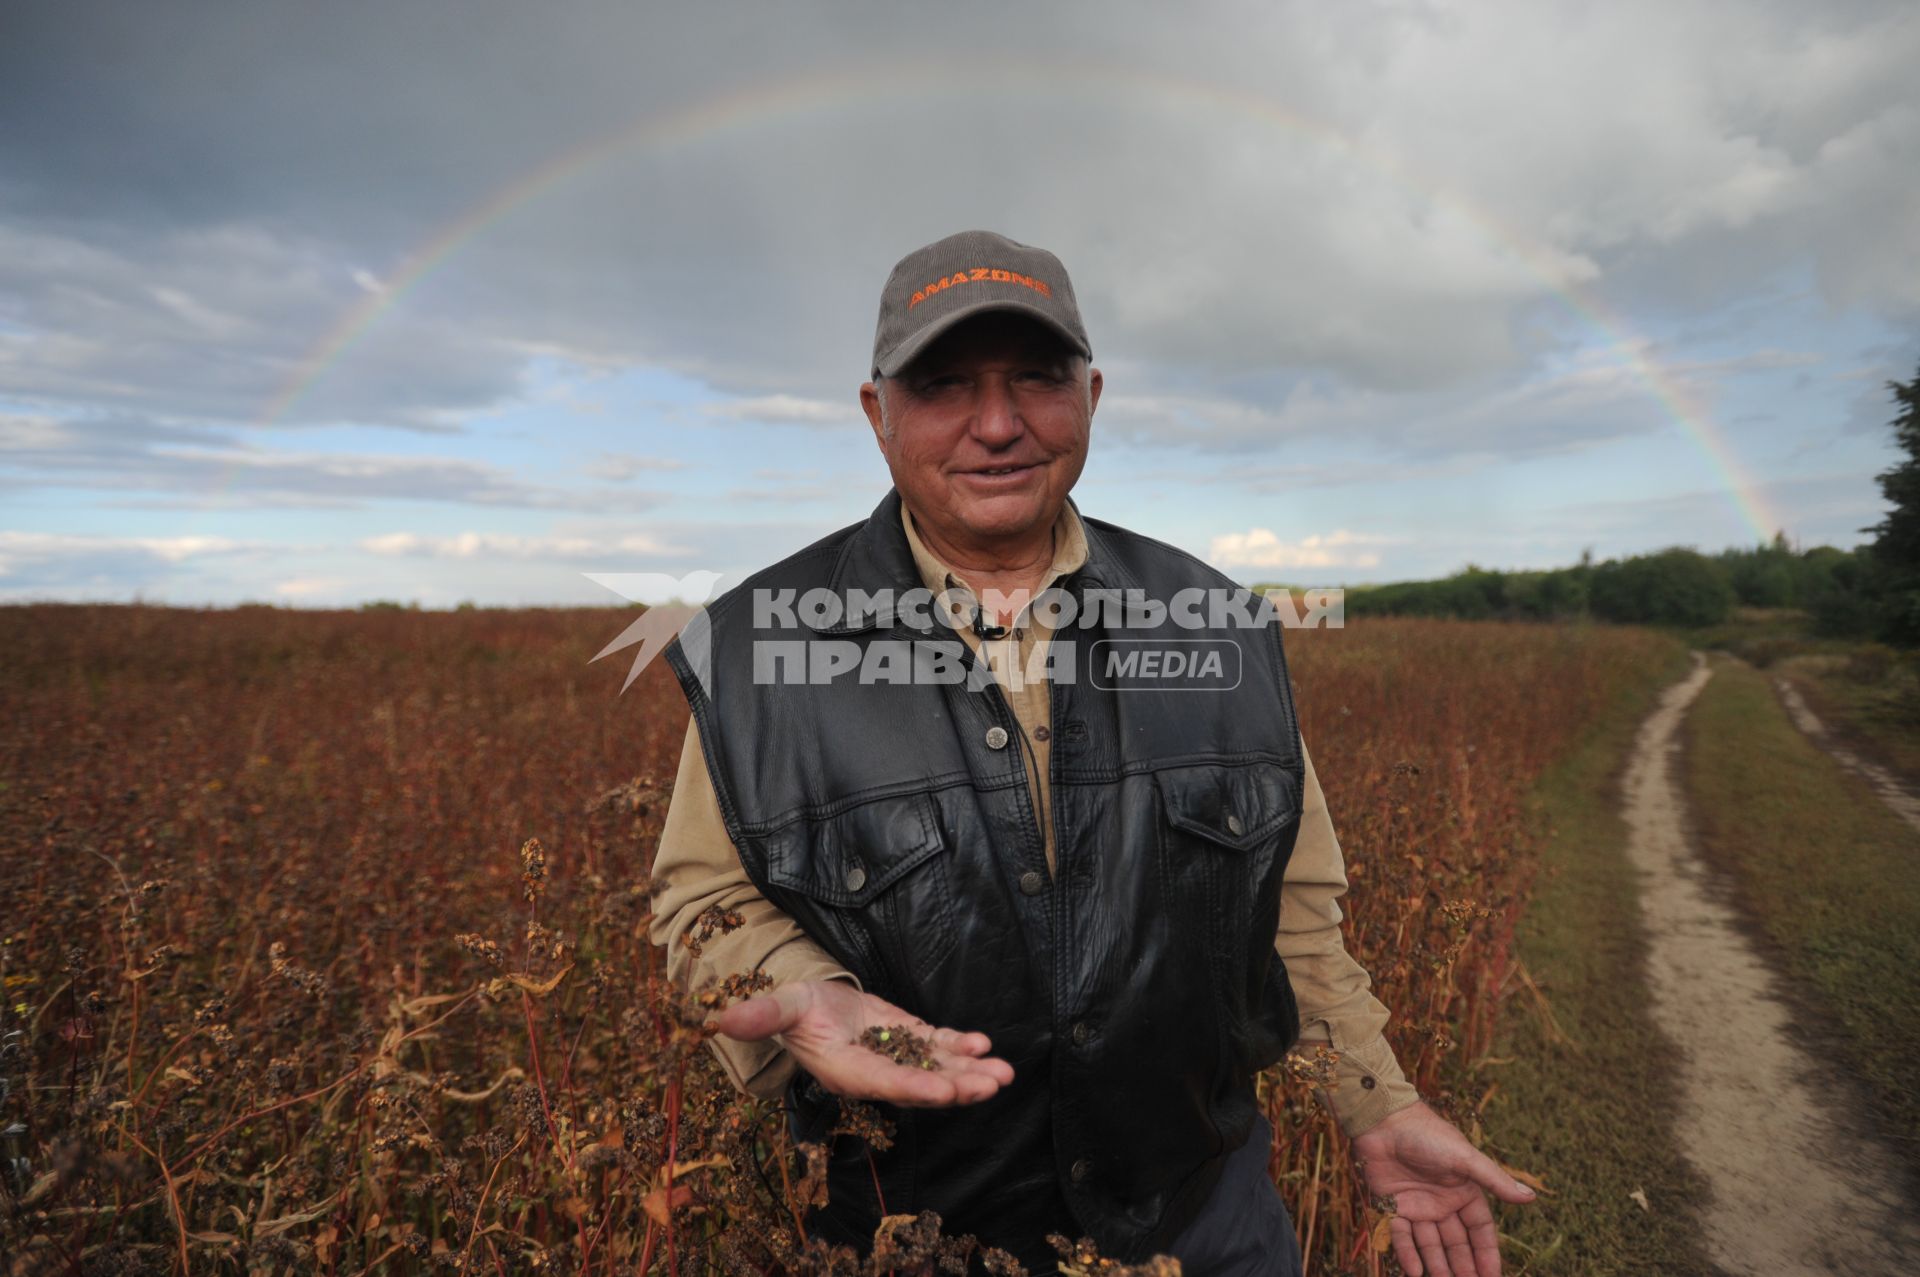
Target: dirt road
{"points": [[1797, 1186]]}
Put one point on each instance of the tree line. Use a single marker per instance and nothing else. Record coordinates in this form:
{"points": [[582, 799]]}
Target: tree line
{"points": [[1871, 591]]}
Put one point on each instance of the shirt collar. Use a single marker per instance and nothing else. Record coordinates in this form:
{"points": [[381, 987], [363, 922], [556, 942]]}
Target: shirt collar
{"points": [[873, 556], [1069, 553]]}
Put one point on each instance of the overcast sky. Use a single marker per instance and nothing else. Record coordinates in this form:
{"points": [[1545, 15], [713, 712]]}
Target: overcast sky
{"points": [[317, 303]]}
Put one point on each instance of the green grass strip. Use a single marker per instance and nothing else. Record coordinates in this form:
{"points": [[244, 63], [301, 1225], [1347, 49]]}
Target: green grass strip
{"points": [[1587, 1099]]}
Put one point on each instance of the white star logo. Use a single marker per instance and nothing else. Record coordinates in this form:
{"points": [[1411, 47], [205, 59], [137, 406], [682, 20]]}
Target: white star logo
{"points": [[683, 615]]}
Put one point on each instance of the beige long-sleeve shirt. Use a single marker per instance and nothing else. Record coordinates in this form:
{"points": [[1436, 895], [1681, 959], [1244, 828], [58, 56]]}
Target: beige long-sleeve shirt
{"points": [[698, 867]]}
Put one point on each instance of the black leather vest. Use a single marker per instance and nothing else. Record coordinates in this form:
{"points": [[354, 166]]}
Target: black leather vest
{"points": [[1136, 993]]}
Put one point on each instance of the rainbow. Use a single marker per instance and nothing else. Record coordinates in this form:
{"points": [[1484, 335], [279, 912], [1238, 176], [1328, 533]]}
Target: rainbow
{"points": [[740, 110]]}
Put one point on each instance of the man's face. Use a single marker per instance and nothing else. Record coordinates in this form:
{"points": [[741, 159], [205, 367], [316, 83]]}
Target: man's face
{"points": [[986, 431]]}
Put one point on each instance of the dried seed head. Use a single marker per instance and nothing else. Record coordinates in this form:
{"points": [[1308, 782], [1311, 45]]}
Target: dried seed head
{"points": [[863, 1122], [713, 920], [308, 981], [543, 942], [533, 868], [481, 947]]}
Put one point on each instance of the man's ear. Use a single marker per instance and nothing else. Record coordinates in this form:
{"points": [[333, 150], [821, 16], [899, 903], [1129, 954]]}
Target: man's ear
{"points": [[870, 404], [1093, 390]]}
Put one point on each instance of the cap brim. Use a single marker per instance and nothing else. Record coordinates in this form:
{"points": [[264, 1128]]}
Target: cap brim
{"points": [[907, 351]]}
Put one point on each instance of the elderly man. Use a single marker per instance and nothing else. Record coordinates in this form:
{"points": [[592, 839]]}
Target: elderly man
{"points": [[1077, 850]]}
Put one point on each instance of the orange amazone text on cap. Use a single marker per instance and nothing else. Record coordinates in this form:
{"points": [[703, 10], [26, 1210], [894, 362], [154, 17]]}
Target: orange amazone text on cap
{"points": [[980, 275]]}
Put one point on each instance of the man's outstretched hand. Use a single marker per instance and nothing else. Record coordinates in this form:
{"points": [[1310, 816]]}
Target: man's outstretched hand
{"points": [[820, 1022], [1442, 1225]]}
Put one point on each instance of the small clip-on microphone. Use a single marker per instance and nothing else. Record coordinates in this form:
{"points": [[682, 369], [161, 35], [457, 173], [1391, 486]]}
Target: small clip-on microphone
{"points": [[982, 629]]}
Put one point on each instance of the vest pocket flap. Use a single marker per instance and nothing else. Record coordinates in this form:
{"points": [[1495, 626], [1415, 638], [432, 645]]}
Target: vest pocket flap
{"points": [[1235, 805], [848, 858]]}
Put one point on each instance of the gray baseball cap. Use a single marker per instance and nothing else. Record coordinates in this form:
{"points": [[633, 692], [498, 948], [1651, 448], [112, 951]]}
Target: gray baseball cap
{"points": [[963, 275]]}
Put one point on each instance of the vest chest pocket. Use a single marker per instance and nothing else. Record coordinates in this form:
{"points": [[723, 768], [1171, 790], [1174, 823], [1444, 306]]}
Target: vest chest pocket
{"points": [[877, 872], [1223, 825], [1236, 807]]}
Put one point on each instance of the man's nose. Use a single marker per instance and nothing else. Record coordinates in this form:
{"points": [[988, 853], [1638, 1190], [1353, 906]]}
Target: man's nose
{"points": [[996, 416]]}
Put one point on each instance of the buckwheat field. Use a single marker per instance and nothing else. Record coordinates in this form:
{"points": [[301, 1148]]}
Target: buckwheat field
{"points": [[324, 942]]}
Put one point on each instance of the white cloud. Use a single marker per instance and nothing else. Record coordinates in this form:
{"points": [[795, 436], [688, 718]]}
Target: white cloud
{"points": [[31, 434], [310, 586], [49, 565], [196, 466], [1262, 548], [500, 545], [785, 409], [21, 549], [618, 466], [225, 322]]}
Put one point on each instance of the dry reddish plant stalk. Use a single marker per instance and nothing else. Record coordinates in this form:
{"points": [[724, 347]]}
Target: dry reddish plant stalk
{"points": [[255, 857]]}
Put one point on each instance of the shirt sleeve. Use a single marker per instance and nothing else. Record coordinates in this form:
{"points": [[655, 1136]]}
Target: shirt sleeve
{"points": [[1334, 993], [698, 866]]}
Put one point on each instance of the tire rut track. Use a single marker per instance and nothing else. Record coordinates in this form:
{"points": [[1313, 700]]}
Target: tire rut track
{"points": [[1892, 792]]}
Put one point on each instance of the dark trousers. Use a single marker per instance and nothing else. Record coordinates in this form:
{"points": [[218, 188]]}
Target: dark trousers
{"points": [[1243, 1230]]}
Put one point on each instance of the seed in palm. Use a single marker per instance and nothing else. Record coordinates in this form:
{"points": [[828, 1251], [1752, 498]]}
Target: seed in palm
{"points": [[899, 1044]]}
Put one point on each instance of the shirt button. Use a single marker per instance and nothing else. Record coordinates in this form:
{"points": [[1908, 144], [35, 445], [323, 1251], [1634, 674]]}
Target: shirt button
{"points": [[1032, 883], [1080, 1170], [1234, 826], [1366, 1083], [996, 737], [856, 878], [1042, 733], [1081, 1033]]}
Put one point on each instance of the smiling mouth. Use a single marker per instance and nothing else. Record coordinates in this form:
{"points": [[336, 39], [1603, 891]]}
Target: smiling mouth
{"points": [[997, 471]]}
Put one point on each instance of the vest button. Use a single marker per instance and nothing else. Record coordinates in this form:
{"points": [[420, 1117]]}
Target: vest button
{"points": [[1081, 1033], [1080, 1170], [996, 737], [856, 878], [1032, 883], [1234, 826]]}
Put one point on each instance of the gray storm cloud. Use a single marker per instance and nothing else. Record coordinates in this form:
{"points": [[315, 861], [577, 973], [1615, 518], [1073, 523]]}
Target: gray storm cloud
{"points": [[1383, 198]]}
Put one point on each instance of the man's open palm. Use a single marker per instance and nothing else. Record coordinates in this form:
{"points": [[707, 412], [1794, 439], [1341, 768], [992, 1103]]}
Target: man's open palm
{"points": [[1442, 1225], [820, 1023]]}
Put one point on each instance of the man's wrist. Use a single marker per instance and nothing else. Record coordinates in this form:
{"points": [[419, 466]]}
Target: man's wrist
{"points": [[1367, 1084], [1375, 1107]]}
